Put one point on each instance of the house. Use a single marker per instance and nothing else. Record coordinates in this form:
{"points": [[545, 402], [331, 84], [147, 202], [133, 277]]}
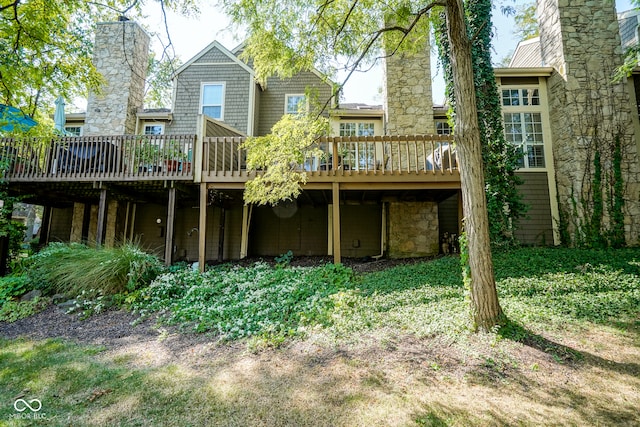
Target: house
{"points": [[387, 185]]}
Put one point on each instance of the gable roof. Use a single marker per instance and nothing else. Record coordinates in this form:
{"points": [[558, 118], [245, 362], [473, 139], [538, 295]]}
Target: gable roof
{"points": [[213, 45], [528, 54]]}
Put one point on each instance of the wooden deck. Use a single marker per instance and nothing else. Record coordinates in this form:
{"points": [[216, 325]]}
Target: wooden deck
{"points": [[419, 160], [99, 158], [424, 161]]}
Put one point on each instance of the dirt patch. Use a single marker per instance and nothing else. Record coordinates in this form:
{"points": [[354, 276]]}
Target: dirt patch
{"points": [[382, 378]]}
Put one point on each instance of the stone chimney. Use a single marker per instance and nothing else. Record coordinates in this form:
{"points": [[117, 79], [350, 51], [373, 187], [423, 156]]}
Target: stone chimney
{"points": [[121, 54], [408, 99], [587, 110]]}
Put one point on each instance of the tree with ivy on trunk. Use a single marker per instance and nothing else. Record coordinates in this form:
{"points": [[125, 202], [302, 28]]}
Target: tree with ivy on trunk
{"points": [[288, 36], [500, 156]]}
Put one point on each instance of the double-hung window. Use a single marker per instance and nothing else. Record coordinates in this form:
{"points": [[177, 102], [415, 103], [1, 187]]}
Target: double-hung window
{"points": [[212, 100], [523, 124], [295, 104]]}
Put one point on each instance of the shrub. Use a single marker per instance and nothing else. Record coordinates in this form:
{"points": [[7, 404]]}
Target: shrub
{"points": [[13, 287], [236, 302], [73, 268]]}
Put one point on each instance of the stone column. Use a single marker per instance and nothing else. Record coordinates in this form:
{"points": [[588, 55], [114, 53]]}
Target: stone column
{"points": [[413, 229], [121, 56], [413, 226], [587, 110]]}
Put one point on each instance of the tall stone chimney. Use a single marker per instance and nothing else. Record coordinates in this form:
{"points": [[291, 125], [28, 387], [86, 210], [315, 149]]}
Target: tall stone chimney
{"points": [[587, 110], [121, 54], [407, 91], [412, 225]]}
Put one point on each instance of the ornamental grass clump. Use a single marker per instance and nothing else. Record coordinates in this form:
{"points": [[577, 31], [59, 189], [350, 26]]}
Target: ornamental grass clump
{"points": [[236, 302], [73, 268]]}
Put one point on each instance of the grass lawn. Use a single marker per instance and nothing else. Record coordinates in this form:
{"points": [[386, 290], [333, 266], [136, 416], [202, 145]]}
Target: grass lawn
{"points": [[389, 348]]}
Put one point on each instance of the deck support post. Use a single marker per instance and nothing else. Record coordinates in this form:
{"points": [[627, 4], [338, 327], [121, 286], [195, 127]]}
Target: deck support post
{"points": [[202, 227], [45, 226], [335, 190], [133, 221], [246, 222], [460, 214], [171, 213], [223, 221], [102, 211]]}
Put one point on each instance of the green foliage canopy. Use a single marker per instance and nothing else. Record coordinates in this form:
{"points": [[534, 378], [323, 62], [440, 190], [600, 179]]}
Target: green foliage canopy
{"points": [[279, 156], [46, 48]]}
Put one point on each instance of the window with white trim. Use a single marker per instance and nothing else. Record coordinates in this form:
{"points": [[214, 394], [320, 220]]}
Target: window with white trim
{"points": [[523, 124], [358, 155], [212, 100], [73, 130], [442, 127], [154, 129], [295, 103]]}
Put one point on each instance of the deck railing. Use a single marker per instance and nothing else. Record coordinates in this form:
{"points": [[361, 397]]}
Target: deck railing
{"points": [[418, 154], [104, 158], [171, 157]]}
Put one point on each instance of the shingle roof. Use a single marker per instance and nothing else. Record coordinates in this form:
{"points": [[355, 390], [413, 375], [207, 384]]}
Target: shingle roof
{"points": [[527, 55]]}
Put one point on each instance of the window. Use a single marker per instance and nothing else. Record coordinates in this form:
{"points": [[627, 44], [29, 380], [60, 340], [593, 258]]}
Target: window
{"points": [[358, 155], [213, 100], [155, 129], [516, 97], [357, 129], [443, 128], [525, 131], [295, 104], [523, 124], [73, 130]]}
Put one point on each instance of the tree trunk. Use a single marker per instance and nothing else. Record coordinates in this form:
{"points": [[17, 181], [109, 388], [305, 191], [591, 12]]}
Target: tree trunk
{"points": [[485, 308]]}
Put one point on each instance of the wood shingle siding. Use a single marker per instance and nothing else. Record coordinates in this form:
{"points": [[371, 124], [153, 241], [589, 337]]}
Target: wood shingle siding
{"points": [[536, 228], [236, 82], [272, 99]]}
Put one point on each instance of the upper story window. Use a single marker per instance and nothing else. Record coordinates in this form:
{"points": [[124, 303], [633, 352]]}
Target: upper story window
{"points": [[523, 124], [517, 97], [73, 130], [154, 129], [212, 100], [295, 104], [357, 129], [442, 127]]}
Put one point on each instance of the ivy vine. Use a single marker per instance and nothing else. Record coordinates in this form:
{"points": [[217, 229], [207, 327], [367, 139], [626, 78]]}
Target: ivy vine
{"points": [[504, 203]]}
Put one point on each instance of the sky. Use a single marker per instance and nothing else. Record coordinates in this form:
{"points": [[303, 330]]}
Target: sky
{"points": [[190, 35]]}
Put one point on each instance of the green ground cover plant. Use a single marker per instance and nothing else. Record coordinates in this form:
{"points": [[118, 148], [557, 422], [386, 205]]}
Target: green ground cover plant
{"points": [[236, 302]]}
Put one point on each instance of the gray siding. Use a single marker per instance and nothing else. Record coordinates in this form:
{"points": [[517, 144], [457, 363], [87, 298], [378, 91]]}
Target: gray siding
{"points": [[300, 229], [536, 228], [360, 230], [60, 228], [272, 98], [303, 229], [628, 31], [213, 55], [187, 102]]}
